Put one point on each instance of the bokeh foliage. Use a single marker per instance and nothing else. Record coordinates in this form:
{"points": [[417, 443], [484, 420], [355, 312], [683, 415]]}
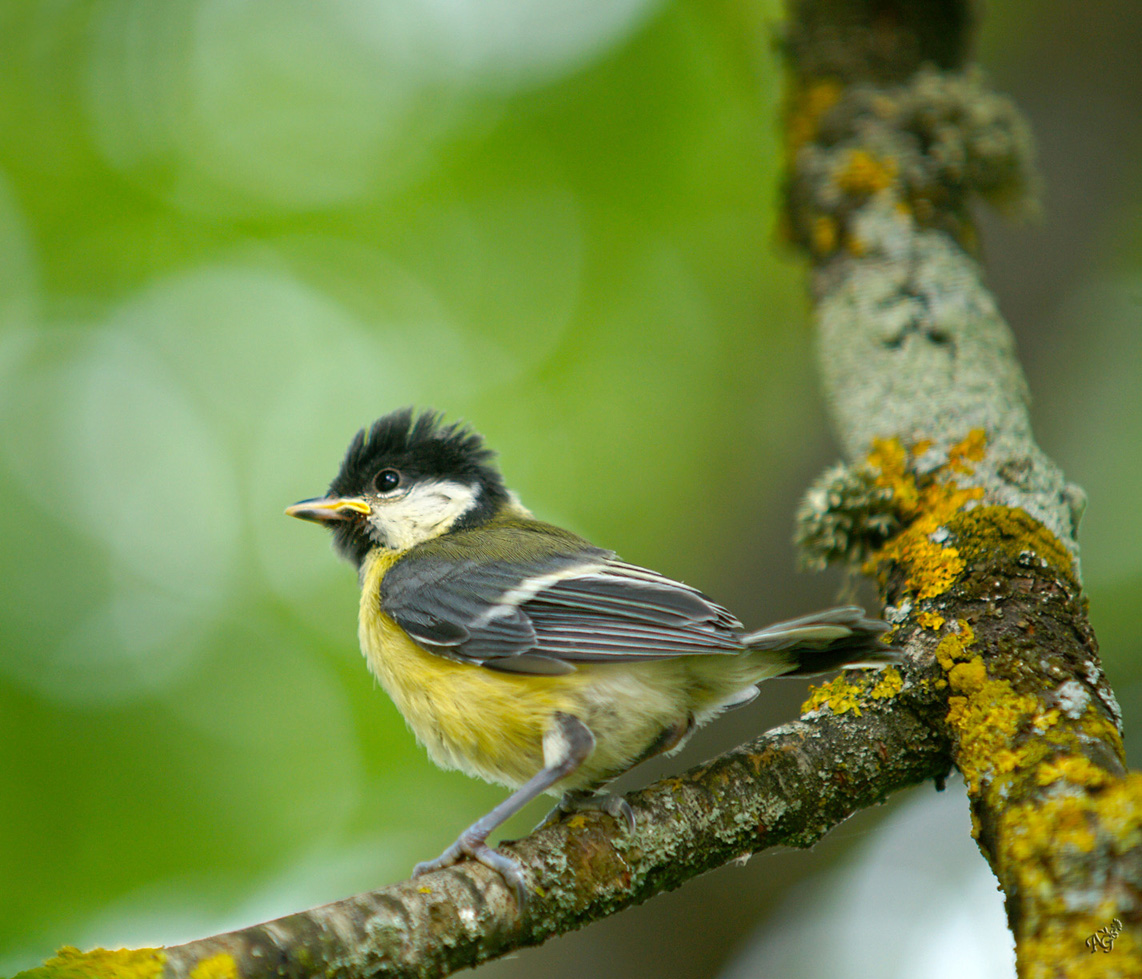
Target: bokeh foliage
{"points": [[233, 233]]}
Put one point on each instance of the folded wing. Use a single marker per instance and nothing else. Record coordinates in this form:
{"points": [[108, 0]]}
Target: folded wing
{"points": [[545, 611]]}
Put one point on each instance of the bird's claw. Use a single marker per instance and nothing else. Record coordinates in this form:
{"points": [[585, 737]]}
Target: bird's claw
{"points": [[613, 804], [477, 849]]}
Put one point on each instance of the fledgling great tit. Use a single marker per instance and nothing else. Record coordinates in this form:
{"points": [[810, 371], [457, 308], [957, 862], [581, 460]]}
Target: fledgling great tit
{"points": [[520, 652]]}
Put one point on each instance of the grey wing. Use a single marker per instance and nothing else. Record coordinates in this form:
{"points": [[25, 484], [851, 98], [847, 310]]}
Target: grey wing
{"points": [[468, 609], [547, 614], [624, 613]]}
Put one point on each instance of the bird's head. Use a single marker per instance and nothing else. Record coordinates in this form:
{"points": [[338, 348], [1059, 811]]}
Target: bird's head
{"points": [[406, 479]]}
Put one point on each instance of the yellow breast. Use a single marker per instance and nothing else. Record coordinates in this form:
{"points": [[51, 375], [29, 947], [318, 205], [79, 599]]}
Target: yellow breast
{"points": [[477, 720]]}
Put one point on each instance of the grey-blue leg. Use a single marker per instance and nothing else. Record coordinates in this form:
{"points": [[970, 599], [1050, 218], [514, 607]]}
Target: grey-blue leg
{"points": [[566, 745]]}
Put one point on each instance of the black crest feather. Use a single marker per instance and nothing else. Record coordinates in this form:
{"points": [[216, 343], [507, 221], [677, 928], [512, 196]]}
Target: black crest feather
{"points": [[418, 446]]}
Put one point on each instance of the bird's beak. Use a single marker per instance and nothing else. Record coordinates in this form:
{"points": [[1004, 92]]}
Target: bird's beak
{"points": [[326, 509]]}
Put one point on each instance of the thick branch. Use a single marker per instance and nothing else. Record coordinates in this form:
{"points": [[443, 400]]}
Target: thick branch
{"points": [[947, 496]]}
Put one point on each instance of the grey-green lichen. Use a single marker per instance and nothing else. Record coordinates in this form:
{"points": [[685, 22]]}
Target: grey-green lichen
{"points": [[845, 516], [971, 137], [924, 147]]}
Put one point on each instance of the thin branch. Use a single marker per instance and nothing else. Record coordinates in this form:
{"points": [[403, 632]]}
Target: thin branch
{"points": [[788, 788]]}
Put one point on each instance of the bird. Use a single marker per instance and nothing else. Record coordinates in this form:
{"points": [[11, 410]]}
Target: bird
{"points": [[521, 653]]}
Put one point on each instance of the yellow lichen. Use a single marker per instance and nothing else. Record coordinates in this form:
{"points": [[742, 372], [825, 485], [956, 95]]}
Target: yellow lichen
{"points": [[220, 966], [1120, 811], [100, 963], [888, 684], [969, 677], [1110, 817], [931, 565], [1098, 727], [930, 620], [1012, 532], [824, 234], [1009, 745], [986, 721], [1051, 806], [965, 632], [805, 109], [863, 173], [842, 696], [1073, 768], [889, 460], [986, 714], [1058, 823], [948, 651], [838, 695], [969, 449], [1008, 760]]}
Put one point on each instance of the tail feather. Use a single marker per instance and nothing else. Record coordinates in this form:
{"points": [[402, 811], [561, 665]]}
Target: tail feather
{"points": [[830, 640]]}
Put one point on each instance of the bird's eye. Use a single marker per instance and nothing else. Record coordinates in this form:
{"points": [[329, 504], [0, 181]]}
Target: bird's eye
{"points": [[387, 480]]}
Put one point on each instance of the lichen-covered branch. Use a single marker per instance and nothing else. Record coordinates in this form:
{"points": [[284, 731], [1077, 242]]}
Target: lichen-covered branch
{"points": [[945, 495], [786, 788]]}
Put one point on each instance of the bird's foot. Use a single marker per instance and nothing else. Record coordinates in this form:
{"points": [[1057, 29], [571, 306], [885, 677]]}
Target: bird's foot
{"points": [[471, 845], [613, 804]]}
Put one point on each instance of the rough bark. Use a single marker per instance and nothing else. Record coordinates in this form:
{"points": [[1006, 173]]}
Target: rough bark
{"points": [[945, 495]]}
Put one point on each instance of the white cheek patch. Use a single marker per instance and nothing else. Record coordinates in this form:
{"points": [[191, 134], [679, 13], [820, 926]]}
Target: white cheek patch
{"points": [[428, 510]]}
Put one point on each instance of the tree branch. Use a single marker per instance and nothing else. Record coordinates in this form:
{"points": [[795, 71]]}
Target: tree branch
{"points": [[788, 787], [947, 497]]}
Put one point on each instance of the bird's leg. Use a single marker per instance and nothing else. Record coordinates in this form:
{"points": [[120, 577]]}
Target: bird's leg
{"points": [[566, 745], [613, 804]]}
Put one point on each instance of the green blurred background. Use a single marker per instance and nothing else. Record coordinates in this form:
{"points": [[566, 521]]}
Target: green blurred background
{"points": [[231, 233]]}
